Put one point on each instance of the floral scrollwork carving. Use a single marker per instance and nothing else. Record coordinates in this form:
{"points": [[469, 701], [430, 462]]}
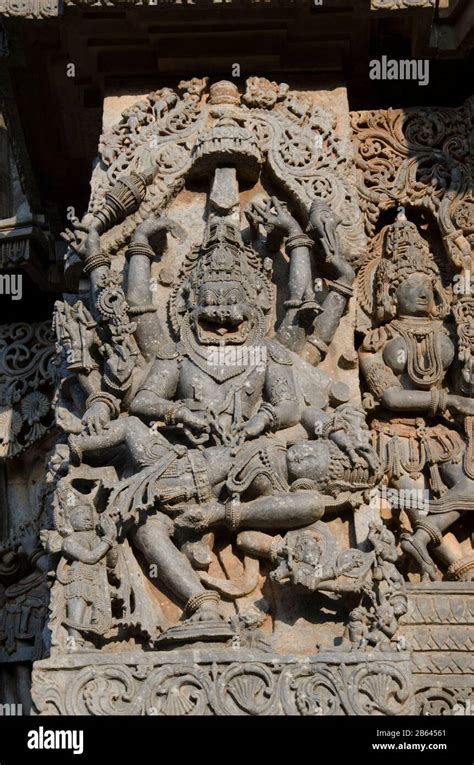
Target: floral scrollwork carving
{"points": [[27, 374]]}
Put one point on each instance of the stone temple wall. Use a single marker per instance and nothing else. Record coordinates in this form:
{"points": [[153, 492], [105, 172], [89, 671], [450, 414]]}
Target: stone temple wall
{"points": [[238, 470]]}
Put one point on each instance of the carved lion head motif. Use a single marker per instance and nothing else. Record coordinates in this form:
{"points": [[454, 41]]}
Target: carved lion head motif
{"points": [[223, 290]]}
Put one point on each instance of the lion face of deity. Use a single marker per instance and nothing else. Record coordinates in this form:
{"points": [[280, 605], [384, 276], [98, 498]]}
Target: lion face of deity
{"points": [[224, 290], [415, 296], [222, 314]]}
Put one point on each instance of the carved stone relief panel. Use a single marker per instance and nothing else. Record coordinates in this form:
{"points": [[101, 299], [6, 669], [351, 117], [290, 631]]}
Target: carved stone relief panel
{"points": [[420, 162], [26, 391], [263, 433]]}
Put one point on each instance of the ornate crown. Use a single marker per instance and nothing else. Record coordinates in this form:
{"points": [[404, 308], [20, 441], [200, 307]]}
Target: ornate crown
{"points": [[222, 255], [404, 252], [402, 237]]}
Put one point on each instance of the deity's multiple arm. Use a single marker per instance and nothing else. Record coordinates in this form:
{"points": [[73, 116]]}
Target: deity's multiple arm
{"points": [[149, 333], [295, 330], [322, 227], [103, 401]]}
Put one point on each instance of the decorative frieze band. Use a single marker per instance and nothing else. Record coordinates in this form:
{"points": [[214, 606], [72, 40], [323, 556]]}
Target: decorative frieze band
{"points": [[212, 683]]}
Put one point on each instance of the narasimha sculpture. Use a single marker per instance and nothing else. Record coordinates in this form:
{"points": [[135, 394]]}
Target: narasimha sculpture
{"points": [[204, 433], [248, 467], [209, 420]]}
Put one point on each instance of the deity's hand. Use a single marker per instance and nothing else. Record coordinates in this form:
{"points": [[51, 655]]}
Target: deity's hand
{"points": [[322, 221], [193, 518], [201, 517], [197, 422], [256, 426], [96, 418], [369, 457], [360, 453], [108, 528], [461, 405], [84, 237], [282, 574], [44, 536], [306, 579], [119, 361], [157, 224], [274, 217], [346, 568]]}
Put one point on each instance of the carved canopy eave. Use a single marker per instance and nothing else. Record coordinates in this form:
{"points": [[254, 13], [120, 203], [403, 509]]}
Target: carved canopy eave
{"points": [[419, 157], [301, 149]]}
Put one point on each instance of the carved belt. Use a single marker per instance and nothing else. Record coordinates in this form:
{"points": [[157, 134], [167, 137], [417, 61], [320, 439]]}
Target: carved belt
{"points": [[426, 446], [254, 461]]}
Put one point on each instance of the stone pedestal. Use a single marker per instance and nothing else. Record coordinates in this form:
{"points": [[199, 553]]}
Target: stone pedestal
{"points": [[226, 682]]}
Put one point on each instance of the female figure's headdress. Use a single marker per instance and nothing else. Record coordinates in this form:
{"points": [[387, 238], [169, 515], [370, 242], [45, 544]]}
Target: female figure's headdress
{"points": [[403, 252]]}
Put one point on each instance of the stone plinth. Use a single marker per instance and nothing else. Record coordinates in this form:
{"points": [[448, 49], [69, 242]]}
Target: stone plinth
{"points": [[226, 682]]}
